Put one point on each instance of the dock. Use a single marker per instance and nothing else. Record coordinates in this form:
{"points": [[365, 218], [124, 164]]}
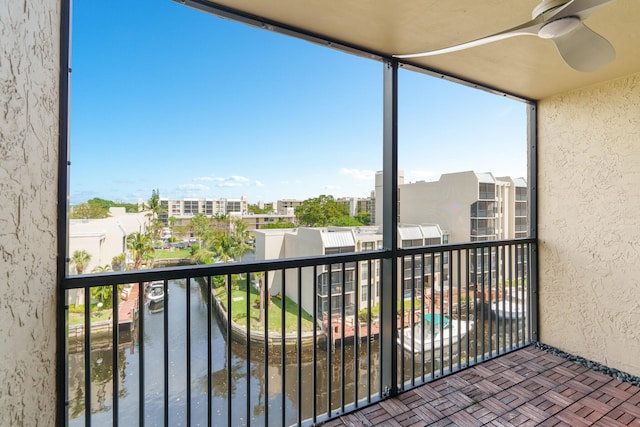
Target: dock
{"points": [[128, 308]]}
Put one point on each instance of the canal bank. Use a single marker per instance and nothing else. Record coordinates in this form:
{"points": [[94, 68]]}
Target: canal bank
{"points": [[274, 340]]}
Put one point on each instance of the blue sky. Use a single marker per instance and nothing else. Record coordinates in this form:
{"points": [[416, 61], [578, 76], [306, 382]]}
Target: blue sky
{"points": [[171, 98]]}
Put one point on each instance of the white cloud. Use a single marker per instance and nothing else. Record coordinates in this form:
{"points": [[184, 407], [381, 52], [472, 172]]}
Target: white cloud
{"points": [[204, 178], [259, 184], [193, 187], [359, 174]]}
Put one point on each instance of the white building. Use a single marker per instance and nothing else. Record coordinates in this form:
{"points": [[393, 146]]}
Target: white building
{"points": [[470, 206], [188, 207], [345, 280], [104, 238]]}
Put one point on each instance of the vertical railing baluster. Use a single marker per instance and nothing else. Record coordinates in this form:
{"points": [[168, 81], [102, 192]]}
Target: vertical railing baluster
{"points": [[499, 291], [228, 352], [87, 357], [369, 303], [342, 334], [525, 301], [475, 304], [208, 290], [299, 352], [329, 339], [490, 299], [413, 319], [468, 305], [441, 313], [356, 331], [403, 277], [115, 298], [511, 278], [450, 309], [529, 294], [283, 352], [188, 303], [482, 306], [520, 280], [433, 315], [266, 300], [314, 385], [459, 282], [165, 349], [422, 314], [141, 354]]}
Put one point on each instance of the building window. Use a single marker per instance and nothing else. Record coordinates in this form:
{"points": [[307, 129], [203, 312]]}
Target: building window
{"points": [[487, 191]]}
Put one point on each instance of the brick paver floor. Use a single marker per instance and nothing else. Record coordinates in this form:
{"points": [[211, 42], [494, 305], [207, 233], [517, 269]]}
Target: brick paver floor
{"points": [[528, 387]]}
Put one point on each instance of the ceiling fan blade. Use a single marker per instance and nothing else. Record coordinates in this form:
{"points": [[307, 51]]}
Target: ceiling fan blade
{"points": [[584, 50], [528, 28], [579, 8]]}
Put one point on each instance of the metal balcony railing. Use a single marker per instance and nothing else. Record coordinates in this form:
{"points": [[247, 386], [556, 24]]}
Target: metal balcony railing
{"points": [[249, 344]]}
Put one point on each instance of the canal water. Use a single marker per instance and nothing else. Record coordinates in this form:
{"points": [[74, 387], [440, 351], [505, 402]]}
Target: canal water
{"points": [[258, 393]]}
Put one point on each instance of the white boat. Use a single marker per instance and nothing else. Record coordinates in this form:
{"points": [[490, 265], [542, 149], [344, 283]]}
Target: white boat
{"points": [[508, 309], [156, 292], [450, 334]]}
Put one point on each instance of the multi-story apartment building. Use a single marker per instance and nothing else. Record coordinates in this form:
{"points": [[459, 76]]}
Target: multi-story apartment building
{"points": [[188, 207], [341, 285], [284, 206], [470, 206], [356, 205], [259, 221]]}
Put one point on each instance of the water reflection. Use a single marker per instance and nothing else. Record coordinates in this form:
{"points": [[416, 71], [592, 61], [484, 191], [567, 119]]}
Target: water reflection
{"points": [[263, 392]]}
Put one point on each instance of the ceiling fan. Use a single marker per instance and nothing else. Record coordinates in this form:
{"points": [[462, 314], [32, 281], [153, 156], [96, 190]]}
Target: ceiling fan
{"points": [[561, 22]]}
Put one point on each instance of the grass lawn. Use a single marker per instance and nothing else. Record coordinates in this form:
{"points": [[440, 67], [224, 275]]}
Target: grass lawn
{"points": [[239, 310], [76, 316], [172, 253]]}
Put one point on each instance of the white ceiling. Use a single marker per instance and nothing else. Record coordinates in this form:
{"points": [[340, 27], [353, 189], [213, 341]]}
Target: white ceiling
{"points": [[525, 66]]}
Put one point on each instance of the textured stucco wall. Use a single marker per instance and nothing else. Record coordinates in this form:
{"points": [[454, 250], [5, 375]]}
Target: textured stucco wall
{"points": [[589, 222], [29, 64]]}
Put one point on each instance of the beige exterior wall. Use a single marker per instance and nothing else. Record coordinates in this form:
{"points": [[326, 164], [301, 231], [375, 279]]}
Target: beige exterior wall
{"points": [[104, 238], [589, 204], [446, 202], [29, 67]]}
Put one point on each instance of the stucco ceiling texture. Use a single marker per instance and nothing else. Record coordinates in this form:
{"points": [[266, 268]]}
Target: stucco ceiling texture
{"points": [[526, 66]]}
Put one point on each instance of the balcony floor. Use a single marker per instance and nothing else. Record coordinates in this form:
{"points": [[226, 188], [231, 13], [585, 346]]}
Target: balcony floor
{"points": [[523, 388]]}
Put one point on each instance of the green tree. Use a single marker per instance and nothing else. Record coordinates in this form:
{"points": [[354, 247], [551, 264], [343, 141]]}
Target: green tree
{"points": [[320, 211], [200, 225], [256, 210], [88, 211], [153, 205], [346, 221], [106, 204], [141, 247], [280, 224], [172, 223], [364, 217], [80, 259], [201, 255]]}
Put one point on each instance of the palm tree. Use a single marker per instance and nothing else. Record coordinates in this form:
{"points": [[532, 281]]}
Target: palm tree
{"points": [[80, 259], [172, 223], [200, 255], [118, 262], [101, 268], [141, 247]]}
